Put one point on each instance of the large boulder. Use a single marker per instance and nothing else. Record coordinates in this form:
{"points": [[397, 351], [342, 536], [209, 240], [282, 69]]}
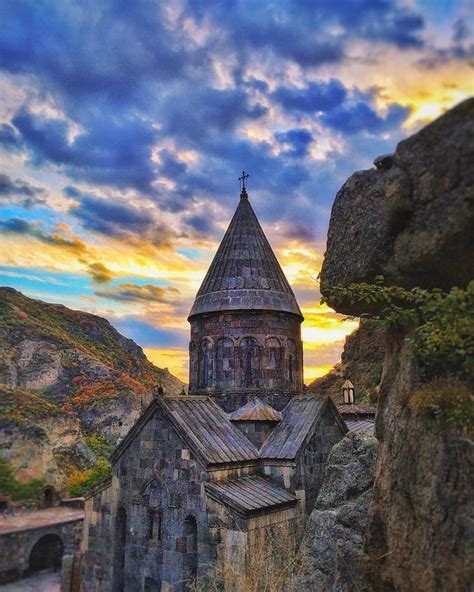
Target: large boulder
{"points": [[411, 219], [334, 539]]}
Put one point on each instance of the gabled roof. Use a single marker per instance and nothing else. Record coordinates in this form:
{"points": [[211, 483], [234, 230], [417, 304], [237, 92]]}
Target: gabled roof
{"points": [[255, 410], [245, 274], [202, 424], [300, 416], [208, 430], [361, 425], [249, 495]]}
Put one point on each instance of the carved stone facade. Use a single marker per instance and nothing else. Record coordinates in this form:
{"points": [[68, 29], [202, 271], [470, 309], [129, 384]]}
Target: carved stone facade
{"points": [[249, 352]]}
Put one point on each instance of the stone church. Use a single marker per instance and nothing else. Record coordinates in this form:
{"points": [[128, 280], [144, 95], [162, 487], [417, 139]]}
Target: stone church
{"points": [[199, 479]]}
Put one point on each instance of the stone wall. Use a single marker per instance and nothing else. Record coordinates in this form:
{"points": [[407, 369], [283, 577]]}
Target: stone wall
{"points": [[305, 474], [142, 520], [247, 352], [16, 547]]}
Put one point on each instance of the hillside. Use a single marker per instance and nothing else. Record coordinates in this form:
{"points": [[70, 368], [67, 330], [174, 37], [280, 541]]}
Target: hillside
{"points": [[361, 362], [66, 375]]}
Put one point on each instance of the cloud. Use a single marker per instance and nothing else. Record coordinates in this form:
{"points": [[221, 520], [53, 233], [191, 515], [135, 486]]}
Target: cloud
{"points": [[358, 116], [22, 227], [99, 273], [115, 152], [296, 142], [20, 192], [9, 138], [315, 96], [114, 218], [129, 292]]}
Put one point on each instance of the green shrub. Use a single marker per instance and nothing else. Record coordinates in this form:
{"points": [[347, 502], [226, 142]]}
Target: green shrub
{"points": [[80, 481], [99, 445], [443, 322], [17, 490], [447, 401]]}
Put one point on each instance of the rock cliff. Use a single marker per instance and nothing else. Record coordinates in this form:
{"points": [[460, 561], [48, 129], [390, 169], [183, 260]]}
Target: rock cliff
{"points": [[411, 220], [361, 362], [334, 537], [65, 374]]}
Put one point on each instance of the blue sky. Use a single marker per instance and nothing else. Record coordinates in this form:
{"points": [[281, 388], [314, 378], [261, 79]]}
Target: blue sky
{"points": [[124, 126]]}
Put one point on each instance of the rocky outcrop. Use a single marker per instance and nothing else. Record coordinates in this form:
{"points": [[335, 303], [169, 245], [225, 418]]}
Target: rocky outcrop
{"points": [[361, 362], [333, 542], [411, 220], [64, 374]]}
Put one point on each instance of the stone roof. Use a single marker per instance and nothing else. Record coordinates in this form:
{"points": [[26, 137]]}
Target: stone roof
{"points": [[209, 432], [255, 410], [362, 424], [249, 495], [300, 417], [245, 274], [202, 424], [357, 409]]}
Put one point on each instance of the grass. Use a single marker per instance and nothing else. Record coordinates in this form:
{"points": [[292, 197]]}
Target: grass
{"points": [[273, 563]]}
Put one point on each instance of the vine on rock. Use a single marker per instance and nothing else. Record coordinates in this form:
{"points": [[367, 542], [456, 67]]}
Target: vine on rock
{"points": [[442, 340]]}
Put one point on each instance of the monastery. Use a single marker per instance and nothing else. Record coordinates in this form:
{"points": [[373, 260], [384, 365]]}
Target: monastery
{"points": [[200, 479]]}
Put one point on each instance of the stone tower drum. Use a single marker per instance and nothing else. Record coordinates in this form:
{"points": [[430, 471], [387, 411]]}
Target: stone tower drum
{"points": [[245, 322]]}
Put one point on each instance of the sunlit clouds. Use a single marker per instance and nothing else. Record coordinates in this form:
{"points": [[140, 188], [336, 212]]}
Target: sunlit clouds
{"points": [[123, 133]]}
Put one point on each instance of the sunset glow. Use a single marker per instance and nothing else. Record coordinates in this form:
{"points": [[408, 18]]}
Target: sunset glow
{"points": [[120, 156]]}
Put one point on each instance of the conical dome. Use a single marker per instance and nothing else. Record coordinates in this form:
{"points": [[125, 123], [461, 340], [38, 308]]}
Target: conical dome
{"points": [[245, 274]]}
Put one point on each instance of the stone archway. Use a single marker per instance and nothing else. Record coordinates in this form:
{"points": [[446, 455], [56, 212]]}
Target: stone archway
{"points": [[46, 553]]}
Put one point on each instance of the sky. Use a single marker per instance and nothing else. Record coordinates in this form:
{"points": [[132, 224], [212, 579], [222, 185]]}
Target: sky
{"points": [[124, 127]]}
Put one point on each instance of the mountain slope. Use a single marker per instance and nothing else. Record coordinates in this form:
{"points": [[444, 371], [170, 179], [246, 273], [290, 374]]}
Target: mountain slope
{"points": [[361, 362], [66, 374]]}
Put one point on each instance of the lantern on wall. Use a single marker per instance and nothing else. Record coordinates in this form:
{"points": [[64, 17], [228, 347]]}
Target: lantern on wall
{"points": [[348, 393]]}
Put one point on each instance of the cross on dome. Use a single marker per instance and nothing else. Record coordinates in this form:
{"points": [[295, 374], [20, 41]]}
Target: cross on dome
{"points": [[243, 182]]}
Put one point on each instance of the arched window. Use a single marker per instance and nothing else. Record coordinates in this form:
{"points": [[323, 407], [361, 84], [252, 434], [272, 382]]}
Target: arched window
{"points": [[249, 355], [225, 363], [272, 362], [190, 550], [119, 551], [292, 361], [206, 364], [154, 500]]}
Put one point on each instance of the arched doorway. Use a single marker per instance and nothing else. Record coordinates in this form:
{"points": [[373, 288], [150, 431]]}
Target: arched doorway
{"points": [[190, 557], [46, 553], [48, 497], [119, 551]]}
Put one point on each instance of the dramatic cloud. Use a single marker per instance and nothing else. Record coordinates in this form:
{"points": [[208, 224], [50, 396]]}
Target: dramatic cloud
{"points": [[128, 292], [117, 219], [131, 122], [316, 96], [295, 142], [99, 273], [20, 192], [22, 227]]}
